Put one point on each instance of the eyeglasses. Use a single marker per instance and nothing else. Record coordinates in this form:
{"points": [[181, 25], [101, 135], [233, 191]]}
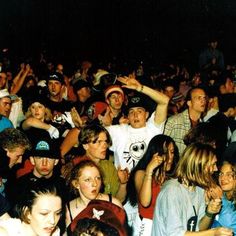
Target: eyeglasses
{"points": [[229, 175]]}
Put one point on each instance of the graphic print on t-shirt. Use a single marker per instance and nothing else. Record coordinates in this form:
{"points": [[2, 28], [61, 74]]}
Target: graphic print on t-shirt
{"points": [[135, 153]]}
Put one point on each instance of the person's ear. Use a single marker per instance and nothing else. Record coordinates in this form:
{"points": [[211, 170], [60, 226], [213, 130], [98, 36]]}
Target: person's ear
{"points": [[85, 146], [32, 161], [75, 184], [147, 114], [26, 215], [189, 103]]}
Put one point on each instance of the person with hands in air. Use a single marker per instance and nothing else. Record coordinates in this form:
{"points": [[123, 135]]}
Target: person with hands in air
{"points": [[147, 178]]}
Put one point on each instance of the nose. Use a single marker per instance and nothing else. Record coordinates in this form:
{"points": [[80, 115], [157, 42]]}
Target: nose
{"points": [[51, 219], [94, 183], [44, 162]]}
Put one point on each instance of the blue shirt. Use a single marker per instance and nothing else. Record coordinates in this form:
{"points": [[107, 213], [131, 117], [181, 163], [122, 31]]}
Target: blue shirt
{"points": [[227, 215]]}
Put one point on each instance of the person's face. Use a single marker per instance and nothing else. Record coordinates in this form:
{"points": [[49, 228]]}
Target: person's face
{"points": [[83, 94], [15, 155], [45, 214], [97, 150], [171, 153], [115, 100], [89, 182], [38, 110], [137, 117], [169, 91], [43, 166], [227, 178], [3, 80], [54, 87], [198, 101], [212, 167], [229, 86], [5, 106], [213, 44]]}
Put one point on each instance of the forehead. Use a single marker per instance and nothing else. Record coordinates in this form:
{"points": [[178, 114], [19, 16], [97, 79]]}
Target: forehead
{"points": [[47, 201], [3, 75], [36, 104], [226, 167], [197, 92], [52, 81], [5, 99], [137, 109], [89, 170]]}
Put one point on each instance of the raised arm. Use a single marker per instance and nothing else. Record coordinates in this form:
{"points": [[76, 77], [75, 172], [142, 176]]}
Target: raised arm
{"points": [[19, 79], [161, 99]]}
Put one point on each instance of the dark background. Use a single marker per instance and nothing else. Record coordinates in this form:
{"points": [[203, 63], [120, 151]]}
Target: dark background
{"points": [[152, 30]]}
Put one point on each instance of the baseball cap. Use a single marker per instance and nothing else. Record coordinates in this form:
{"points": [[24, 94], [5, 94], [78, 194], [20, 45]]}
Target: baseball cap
{"points": [[4, 93], [113, 88], [45, 148], [137, 100], [104, 211], [56, 76]]}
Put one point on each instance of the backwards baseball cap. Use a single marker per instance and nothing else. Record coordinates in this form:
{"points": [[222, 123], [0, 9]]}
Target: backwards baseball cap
{"points": [[45, 148], [56, 76], [104, 211], [4, 93], [112, 89], [137, 100]]}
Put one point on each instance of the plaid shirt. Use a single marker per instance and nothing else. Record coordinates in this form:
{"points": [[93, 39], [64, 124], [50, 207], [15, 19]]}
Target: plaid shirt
{"points": [[177, 127]]}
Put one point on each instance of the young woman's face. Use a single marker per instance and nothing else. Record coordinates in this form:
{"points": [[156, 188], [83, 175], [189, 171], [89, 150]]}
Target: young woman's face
{"points": [[37, 110], [227, 178], [45, 214], [97, 150], [170, 150], [89, 183]]}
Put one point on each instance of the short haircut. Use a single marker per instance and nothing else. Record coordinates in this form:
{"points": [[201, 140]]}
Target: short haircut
{"points": [[12, 138]]}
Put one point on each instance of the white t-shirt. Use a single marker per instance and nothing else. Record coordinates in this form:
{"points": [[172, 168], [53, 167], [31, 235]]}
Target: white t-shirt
{"points": [[129, 144]]}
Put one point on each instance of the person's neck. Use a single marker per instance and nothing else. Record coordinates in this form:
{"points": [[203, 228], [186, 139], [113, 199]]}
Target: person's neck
{"points": [[115, 112], [36, 174], [96, 160], [56, 98], [194, 115], [229, 194]]}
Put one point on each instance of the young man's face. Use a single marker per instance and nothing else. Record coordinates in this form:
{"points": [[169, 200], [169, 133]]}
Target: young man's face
{"points": [[115, 100], [198, 101], [43, 166], [137, 117], [54, 87]]}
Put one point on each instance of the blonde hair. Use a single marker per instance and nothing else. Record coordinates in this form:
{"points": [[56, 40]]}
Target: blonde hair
{"points": [[193, 167], [47, 115]]}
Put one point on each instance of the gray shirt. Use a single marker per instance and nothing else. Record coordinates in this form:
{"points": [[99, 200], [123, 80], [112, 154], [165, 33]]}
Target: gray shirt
{"points": [[177, 210]]}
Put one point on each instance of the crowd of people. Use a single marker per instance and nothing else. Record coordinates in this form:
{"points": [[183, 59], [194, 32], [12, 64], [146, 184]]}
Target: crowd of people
{"points": [[118, 149]]}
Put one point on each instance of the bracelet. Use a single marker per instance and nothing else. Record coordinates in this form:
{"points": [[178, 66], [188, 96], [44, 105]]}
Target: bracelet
{"points": [[210, 215], [141, 89], [148, 176]]}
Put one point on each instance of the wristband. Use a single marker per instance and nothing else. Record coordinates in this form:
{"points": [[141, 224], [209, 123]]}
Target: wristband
{"points": [[210, 215], [141, 89]]}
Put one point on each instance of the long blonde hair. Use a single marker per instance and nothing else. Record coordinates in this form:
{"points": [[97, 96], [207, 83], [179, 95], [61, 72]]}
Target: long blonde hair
{"points": [[193, 167]]}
